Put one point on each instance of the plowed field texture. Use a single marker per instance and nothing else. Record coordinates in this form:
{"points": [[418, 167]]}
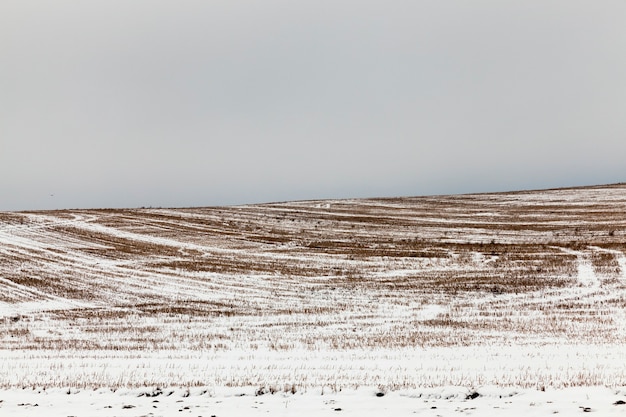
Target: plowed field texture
{"points": [[521, 289]]}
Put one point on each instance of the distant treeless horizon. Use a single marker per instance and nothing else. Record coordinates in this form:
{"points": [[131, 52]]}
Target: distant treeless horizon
{"points": [[187, 104], [569, 187]]}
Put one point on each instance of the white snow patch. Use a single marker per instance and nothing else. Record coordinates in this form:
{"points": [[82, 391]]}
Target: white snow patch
{"points": [[586, 275], [431, 312], [29, 307]]}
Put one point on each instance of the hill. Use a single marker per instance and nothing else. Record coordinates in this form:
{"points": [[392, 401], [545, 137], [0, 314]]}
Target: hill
{"points": [[522, 289]]}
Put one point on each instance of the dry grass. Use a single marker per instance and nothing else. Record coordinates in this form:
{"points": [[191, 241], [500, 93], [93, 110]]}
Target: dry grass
{"points": [[352, 273]]}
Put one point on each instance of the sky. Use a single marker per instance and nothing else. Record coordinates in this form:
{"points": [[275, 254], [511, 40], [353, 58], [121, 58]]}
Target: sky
{"points": [[155, 103]]}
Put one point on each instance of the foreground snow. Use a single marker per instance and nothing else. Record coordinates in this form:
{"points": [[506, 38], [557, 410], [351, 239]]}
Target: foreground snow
{"points": [[484, 401], [540, 366]]}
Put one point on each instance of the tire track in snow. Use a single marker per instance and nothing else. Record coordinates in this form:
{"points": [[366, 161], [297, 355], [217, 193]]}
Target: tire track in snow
{"points": [[620, 258], [586, 275], [131, 284], [33, 300]]}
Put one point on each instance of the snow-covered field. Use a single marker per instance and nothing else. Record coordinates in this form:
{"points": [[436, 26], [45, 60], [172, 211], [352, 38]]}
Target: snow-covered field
{"points": [[441, 401], [315, 306]]}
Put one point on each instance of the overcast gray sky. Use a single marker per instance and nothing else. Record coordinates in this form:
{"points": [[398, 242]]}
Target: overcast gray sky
{"points": [[129, 103]]}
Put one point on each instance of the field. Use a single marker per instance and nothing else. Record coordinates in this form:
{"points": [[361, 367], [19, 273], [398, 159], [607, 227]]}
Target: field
{"points": [[408, 296]]}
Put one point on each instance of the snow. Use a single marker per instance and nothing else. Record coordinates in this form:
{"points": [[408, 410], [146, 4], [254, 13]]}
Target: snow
{"points": [[486, 304], [586, 274], [536, 366], [620, 258], [205, 401], [431, 311]]}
